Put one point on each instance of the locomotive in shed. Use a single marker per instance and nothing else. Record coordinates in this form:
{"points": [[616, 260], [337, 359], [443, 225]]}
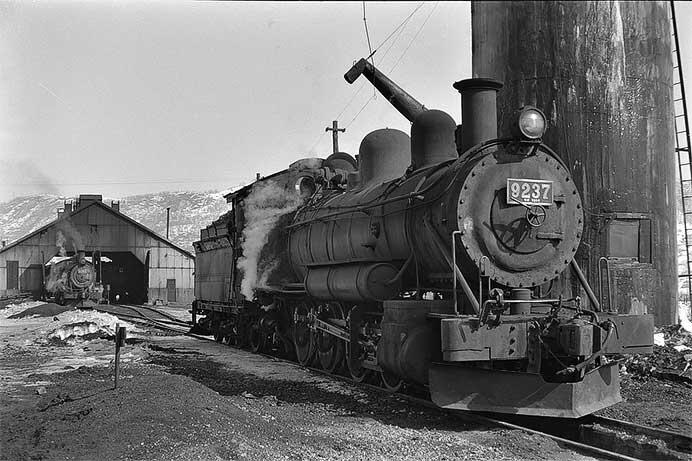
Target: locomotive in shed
{"points": [[429, 262], [73, 279]]}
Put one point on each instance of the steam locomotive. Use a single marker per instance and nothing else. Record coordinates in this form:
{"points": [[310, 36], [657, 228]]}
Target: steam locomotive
{"points": [[73, 279], [428, 262]]}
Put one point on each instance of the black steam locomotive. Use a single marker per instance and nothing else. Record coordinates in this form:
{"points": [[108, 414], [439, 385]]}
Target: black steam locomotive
{"points": [[430, 262], [73, 279]]}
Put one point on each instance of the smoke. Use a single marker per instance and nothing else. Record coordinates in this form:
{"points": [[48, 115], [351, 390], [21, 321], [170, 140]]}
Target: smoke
{"points": [[57, 280], [60, 243], [66, 233], [23, 177], [685, 316], [66, 230], [266, 204]]}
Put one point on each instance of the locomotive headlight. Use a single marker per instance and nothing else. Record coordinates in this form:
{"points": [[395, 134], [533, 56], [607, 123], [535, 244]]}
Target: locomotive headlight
{"points": [[531, 123]]}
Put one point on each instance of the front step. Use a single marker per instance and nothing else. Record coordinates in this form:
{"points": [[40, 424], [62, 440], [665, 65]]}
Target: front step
{"points": [[477, 389]]}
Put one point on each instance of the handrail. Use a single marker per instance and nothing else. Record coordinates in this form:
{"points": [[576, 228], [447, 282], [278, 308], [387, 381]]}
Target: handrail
{"points": [[585, 285], [456, 272]]}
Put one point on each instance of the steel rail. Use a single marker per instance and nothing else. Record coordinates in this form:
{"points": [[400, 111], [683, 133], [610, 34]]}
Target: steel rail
{"points": [[172, 320], [674, 440], [160, 324], [161, 313], [143, 319], [147, 321]]}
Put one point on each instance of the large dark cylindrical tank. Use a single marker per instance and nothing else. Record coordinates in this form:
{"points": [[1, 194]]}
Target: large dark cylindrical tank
{"points": [[602, 73]]}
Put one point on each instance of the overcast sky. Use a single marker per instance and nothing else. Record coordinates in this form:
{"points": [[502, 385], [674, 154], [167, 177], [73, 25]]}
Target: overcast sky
{"points": [[122, 98]]}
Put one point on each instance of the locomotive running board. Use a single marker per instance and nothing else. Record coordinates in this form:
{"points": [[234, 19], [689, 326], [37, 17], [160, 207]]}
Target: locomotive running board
{"points": [[497, 391]]}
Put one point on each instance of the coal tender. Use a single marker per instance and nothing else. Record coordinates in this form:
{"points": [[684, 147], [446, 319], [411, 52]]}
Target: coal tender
{"points": [[432, 262]]}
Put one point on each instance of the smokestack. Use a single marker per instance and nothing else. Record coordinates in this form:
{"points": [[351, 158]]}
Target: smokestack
{"points": [[168, 221], [4, 243], [81, 256], [115, 205], [478, 110], [258, 176]]}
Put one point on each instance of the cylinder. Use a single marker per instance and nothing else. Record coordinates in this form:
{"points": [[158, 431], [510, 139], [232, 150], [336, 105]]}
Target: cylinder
{"points": [[602, 73], [478, 110], [353, 282]]}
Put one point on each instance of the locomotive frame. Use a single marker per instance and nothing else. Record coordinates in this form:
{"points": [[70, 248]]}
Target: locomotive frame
{"points": [[419, 267]]}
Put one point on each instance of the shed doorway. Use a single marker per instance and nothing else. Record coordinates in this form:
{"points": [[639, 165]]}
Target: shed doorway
{"points": [[170, 290], [126, 276], [12, 275]]}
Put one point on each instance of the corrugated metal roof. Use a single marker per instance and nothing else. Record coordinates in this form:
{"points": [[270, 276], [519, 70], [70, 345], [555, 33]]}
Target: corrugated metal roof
{"points": [[110, 210]]}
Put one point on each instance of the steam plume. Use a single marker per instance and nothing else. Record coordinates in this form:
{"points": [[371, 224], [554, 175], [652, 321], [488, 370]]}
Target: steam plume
{"points": [[265, 205], [60, 243], [66, 230], [56, 280]]}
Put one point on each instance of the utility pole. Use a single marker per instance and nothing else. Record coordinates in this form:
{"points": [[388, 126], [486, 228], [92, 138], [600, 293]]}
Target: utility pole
{"points": [[168, 220], [335, 134]]}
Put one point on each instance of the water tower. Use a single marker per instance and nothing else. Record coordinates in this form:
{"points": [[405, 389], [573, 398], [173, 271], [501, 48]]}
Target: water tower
{"points": [[602, 72]]}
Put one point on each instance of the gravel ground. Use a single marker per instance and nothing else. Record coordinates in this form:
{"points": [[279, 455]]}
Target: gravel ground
{"points": [[179, 404], [182, 398], [653, 402]]}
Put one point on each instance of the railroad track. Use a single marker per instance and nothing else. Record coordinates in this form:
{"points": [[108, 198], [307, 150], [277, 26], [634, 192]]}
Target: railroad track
{"points": [[607, 437], [167, 322], [158, 312], [600, 426], [595, 435]]}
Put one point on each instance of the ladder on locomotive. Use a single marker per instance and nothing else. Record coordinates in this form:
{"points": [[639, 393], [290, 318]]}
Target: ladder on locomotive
{"points": [[684, 156]]}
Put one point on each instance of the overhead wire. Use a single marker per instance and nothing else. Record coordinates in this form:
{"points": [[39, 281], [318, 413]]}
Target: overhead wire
{"points": [[402, 54], [360, 88], [396, 33], [397, 28], [420, 29], [132, 182], [367, 34], [360, 111]]}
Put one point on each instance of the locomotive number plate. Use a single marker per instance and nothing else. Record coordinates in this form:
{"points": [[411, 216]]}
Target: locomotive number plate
{"points": [[529, 192]]}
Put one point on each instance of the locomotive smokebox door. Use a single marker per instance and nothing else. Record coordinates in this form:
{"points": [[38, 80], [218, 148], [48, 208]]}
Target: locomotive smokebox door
{"points": [[523, 213]]}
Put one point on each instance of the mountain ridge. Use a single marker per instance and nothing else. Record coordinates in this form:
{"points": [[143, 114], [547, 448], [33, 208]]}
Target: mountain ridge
{"points": [[190, 211]]}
